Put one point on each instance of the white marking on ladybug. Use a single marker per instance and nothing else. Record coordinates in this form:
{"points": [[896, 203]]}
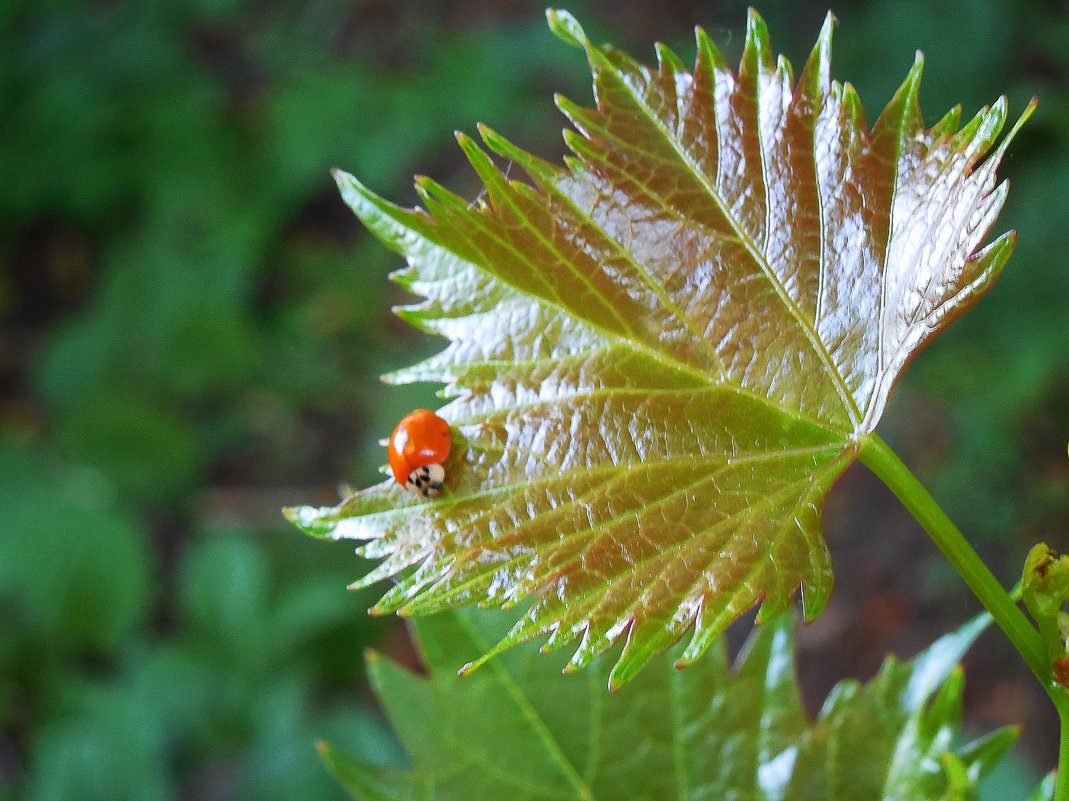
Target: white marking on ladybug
{"points": [[426, 481]]}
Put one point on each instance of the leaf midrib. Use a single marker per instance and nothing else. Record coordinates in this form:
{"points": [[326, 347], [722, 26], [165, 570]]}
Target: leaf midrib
{"points": [[554, 750]]}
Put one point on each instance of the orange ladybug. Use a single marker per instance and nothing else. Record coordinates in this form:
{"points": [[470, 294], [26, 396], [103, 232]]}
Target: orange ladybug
{"points": [[416, 450]]}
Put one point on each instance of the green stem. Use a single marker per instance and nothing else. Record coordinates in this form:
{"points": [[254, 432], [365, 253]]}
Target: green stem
{"points": [[1025, 638], [1061, 781], [879, 458]]}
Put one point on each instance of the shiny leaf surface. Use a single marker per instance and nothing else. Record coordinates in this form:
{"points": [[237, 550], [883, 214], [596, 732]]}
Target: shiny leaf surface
{"points": [[518, 730], [664, 352]]}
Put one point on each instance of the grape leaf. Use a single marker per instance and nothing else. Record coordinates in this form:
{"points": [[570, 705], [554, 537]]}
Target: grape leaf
{"points": [[664, 352], [518, 730]]}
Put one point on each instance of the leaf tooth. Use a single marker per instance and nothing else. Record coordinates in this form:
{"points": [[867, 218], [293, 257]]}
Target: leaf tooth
{"points": [[527, 627], [428, 370], [852, 113], [947, 126], [492, 177], [396, 598], [419, 582], [559, 636], [540, 170], [703, 636], [415, 316], [312, 522], [988, 209], [816, 583], [484, 588], [593, 644], [994, 255], [1005, 143], [901, 119], [980, 132], [405, 277], [582, 147], [988, 264], [757, 53], [785, 73], [945, 709], [367, 780], [586, 121], [777, 597], [667, 60], [383, 570], [709, 57], [348, 519], [815, 80], [390, 602], [983, 753], [639, 647], [390, 223], [566, 27], [439, 199]]}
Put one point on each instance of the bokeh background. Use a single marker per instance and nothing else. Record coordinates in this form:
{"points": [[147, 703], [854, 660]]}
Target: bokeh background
{"points": [[193, 326]]}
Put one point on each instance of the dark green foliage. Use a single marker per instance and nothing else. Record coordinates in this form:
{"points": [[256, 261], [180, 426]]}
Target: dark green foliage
{"points": [[518, 729]]}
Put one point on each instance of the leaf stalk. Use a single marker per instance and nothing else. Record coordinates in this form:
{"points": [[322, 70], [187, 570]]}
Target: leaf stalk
{"points": [[1061, 783], [884, 462]]}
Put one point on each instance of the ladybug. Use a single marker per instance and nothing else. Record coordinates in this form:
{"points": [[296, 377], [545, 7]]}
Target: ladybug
{"points": [[416, 450]]}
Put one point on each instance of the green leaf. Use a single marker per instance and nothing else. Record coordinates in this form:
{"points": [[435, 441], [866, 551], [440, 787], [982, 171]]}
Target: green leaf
{"points": [[517, 730], [663, 353], [75, 565]]}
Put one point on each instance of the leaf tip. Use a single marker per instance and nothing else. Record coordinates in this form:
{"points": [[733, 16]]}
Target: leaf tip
{"points": [[566, 27], [709, 56], [471, 667], [1031, 107], [352, 191], [372, 657], [816, 76], [464, 140], [913, 77], [669, 61], [341, 177], [758, 48], [699, 643]]}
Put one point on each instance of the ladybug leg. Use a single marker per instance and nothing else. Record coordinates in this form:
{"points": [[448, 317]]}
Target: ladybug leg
{"points": [[426, 481]]}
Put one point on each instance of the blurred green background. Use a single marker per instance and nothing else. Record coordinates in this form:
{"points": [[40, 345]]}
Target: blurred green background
{"points": [[194, 324]]}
